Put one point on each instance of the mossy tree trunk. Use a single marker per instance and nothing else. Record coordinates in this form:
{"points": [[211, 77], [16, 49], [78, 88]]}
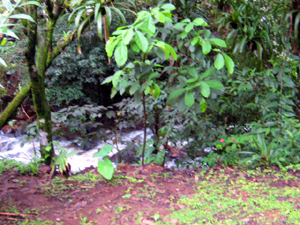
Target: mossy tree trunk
{"points": [[14, 104], [39, 57]]}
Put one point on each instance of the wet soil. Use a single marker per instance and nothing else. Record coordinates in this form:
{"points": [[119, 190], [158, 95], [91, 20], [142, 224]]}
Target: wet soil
{"points": [[71, 201], [134, 196]]}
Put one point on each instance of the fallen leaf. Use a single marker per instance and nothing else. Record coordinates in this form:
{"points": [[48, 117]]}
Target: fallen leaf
{"points": [[147, 222], [171, 220], [246, 220]]}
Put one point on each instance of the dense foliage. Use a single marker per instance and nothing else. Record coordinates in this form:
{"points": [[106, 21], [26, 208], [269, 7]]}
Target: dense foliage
{"points": [[220, 76]]}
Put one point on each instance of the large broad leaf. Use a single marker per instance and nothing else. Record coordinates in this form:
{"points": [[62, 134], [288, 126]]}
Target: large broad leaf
{"points": [[219, 62], [179, 25], [22, 16], [215, 84], [189, 27], [175, 93], [141, 41], [207, 72], [200, 22], [193, 72], [189, 98], [134, 87], [110, 46], [195, 41], [229, 63], [106, 168], [171, 50], [147, 23], [104, 151], [206, 47], [121, 54], [203, 105], [168, 6], [218, 42], [128, 36], [159, 16], [205, 89]]}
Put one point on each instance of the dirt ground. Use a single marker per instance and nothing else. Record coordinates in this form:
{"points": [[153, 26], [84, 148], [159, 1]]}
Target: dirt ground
{"points": [[90, 198], [136, 195]]}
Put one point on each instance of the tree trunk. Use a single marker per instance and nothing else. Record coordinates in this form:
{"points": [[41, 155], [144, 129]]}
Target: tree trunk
{"points": [[14, 104]]}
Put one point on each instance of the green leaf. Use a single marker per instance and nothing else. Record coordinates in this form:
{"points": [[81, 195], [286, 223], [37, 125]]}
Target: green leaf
{"points": [[7, 5], [32, 3], [134, 87], [195, 40], [126, 196], [2, 62], [189, 98], [205, 89], [141, 41], [206, 47], [155, 90], [171, 50], [147, 90], [191, 80], [168, 6], [229, 63], [9, 33], [218, 42], [160, 17], [113, 92], [134, 47], [118, 11], [108, 80], [179, 25], [289, 133], [108, 16], [96, 11], [207, 73], [219, 62], [106, 168], [189, 27], [104, 151], [128, 36], [200, 22], [193, 72], [163, 46], [175, 93], [162, 131], [110, 46], [203, 105], [147, 23], [78, 16], [116, 78], [215, 84], [121, 54], [22, 16], [99, 27], [3, 42]]}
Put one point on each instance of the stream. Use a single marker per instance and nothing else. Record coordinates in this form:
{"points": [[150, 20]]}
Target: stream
{"points": [[10, 147]]}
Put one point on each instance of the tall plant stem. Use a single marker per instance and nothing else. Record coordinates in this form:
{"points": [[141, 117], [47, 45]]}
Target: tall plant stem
{"points": [[145, 128]]}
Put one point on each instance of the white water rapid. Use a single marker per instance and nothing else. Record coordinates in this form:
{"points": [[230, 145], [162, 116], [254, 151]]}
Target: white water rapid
{"points": [[10, 147]]}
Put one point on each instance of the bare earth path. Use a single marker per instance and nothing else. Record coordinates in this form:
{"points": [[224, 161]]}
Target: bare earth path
{"points": [[153, 195]]}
